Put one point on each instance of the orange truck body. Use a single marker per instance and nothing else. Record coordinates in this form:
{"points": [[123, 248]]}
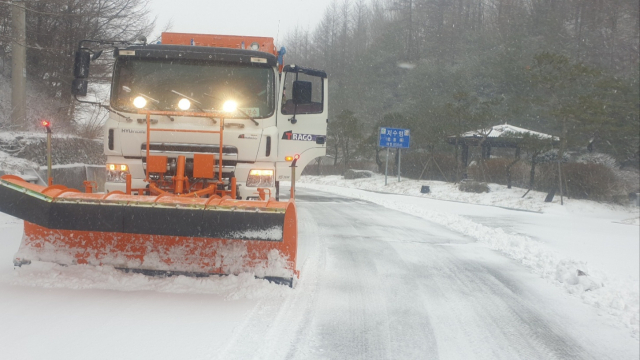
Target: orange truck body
{"points": [[266, 44]]}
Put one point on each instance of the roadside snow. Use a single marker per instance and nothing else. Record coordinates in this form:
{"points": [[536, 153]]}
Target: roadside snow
{"points": [[49, 275], [14, 165], [589, 249], [498, 195]]}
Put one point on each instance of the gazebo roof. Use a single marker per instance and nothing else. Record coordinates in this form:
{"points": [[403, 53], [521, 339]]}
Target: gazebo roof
{"points": [[499, 135]]}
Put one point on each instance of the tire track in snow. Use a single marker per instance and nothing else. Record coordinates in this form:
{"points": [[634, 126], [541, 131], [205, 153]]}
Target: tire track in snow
{"points": [[618, 297], [361, 318], [271, 329], [477, 316], [380, 284]]}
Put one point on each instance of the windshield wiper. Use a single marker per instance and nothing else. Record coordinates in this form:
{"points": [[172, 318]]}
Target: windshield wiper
{"points": [[195, 103], [242, 112], [155, 105], [247, 115]]}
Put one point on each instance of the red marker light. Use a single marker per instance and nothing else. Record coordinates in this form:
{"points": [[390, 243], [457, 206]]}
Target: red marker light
{"points": [[296, 156], [45, 123]]}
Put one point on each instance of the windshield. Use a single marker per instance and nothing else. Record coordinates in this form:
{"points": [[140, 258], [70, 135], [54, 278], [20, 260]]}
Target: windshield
{"points": [[208, 85]]}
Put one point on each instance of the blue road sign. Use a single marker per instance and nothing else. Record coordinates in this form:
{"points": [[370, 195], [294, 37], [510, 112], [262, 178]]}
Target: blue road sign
{"points": [[394, 138]]}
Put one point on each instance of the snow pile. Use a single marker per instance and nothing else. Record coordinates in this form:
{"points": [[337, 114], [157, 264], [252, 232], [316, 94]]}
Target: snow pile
{"points": [[631, 221], [65, 148], [617, 297], [49, 275], [14, 165], [154, 253], [272, 234], [499, 195]]}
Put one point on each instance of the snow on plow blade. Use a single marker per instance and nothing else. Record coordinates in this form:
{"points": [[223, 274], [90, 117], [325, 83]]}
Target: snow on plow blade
{"points": [[153, 234]]}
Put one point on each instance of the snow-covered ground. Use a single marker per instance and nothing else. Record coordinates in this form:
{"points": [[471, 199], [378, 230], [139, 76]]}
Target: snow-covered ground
{"points": [[498, 195], [386, 273], [590, 249]]}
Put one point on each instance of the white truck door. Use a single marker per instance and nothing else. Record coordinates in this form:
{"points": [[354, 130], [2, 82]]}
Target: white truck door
{"points": [[302, 118]]}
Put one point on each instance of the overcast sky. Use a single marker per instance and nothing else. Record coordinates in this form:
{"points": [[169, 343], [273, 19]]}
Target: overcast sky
{"points": [[238, 17]]}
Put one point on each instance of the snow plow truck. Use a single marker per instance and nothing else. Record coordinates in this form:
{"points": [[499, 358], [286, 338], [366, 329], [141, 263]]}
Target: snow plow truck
{"points": [[201, 131]]}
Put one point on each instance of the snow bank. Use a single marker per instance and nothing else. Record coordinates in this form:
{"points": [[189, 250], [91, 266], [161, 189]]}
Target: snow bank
{"points": [[66, 149], [232, 287], [14, 165], [151, 253], [273, 234], [617, 297], [499, 195]]}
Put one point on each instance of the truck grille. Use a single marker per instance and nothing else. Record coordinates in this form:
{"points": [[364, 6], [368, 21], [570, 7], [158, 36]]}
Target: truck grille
{"points": [[172, 151], [185, 149]]}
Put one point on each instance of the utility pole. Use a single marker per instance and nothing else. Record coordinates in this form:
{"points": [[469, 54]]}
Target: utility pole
{"points": [[18, 65]]}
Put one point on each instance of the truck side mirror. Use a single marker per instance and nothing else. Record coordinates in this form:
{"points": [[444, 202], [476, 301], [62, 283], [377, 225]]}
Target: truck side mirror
{"points": [[81, 73], [301, 92], [79, 87], [81, 65]]}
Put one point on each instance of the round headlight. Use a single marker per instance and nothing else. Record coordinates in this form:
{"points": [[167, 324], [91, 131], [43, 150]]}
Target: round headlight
{"points": [[255, 46], [139, 102], [184, 104], [229, 106]]}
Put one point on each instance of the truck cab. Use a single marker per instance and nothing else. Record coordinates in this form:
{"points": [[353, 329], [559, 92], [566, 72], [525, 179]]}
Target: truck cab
{"points": [[279, 112]]}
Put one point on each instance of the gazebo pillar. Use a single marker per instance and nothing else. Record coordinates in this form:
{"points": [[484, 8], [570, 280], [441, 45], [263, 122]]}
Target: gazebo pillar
{"points": [[465, 155], [486, 151]]}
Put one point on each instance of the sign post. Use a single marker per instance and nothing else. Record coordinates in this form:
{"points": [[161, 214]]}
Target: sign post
{"points": [[386, 168], [393, 138], [399, 162]]}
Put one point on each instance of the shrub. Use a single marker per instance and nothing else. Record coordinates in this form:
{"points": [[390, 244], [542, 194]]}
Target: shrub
{"points": [[412, 163], [442, 167], [327, 168], [545, 178], [495, 171], [591, 181], [357, 174], [473, 187]]}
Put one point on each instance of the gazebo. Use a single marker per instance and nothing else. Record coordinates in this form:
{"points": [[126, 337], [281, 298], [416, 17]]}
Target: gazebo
{"points": [[504, 136]]}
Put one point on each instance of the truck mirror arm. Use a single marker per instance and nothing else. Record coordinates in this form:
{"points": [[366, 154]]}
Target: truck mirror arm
{"points": [[115, 112], [102, 42]]}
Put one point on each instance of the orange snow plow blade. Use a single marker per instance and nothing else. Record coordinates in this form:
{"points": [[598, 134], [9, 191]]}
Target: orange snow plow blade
{"points": [[153, 234]]}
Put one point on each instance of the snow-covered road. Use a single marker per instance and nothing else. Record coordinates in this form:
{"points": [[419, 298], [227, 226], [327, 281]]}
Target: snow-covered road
{"points": [[376, 284]]}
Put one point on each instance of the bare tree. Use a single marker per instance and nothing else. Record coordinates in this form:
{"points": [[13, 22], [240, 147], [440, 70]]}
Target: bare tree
{"points": [[54, 29]]}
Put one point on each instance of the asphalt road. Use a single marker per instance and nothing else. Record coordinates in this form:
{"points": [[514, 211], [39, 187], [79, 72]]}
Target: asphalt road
{"points": [[380, 284], [375, 284]]}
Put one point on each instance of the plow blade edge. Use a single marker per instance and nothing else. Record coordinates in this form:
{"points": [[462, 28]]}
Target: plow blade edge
{"points": [[153, 233]]}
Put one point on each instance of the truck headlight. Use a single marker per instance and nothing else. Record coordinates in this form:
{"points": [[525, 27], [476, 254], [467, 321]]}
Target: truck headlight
{"points": [[260, 178], [229, 106], [139, 102], [184, 104], [117, 172]]}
